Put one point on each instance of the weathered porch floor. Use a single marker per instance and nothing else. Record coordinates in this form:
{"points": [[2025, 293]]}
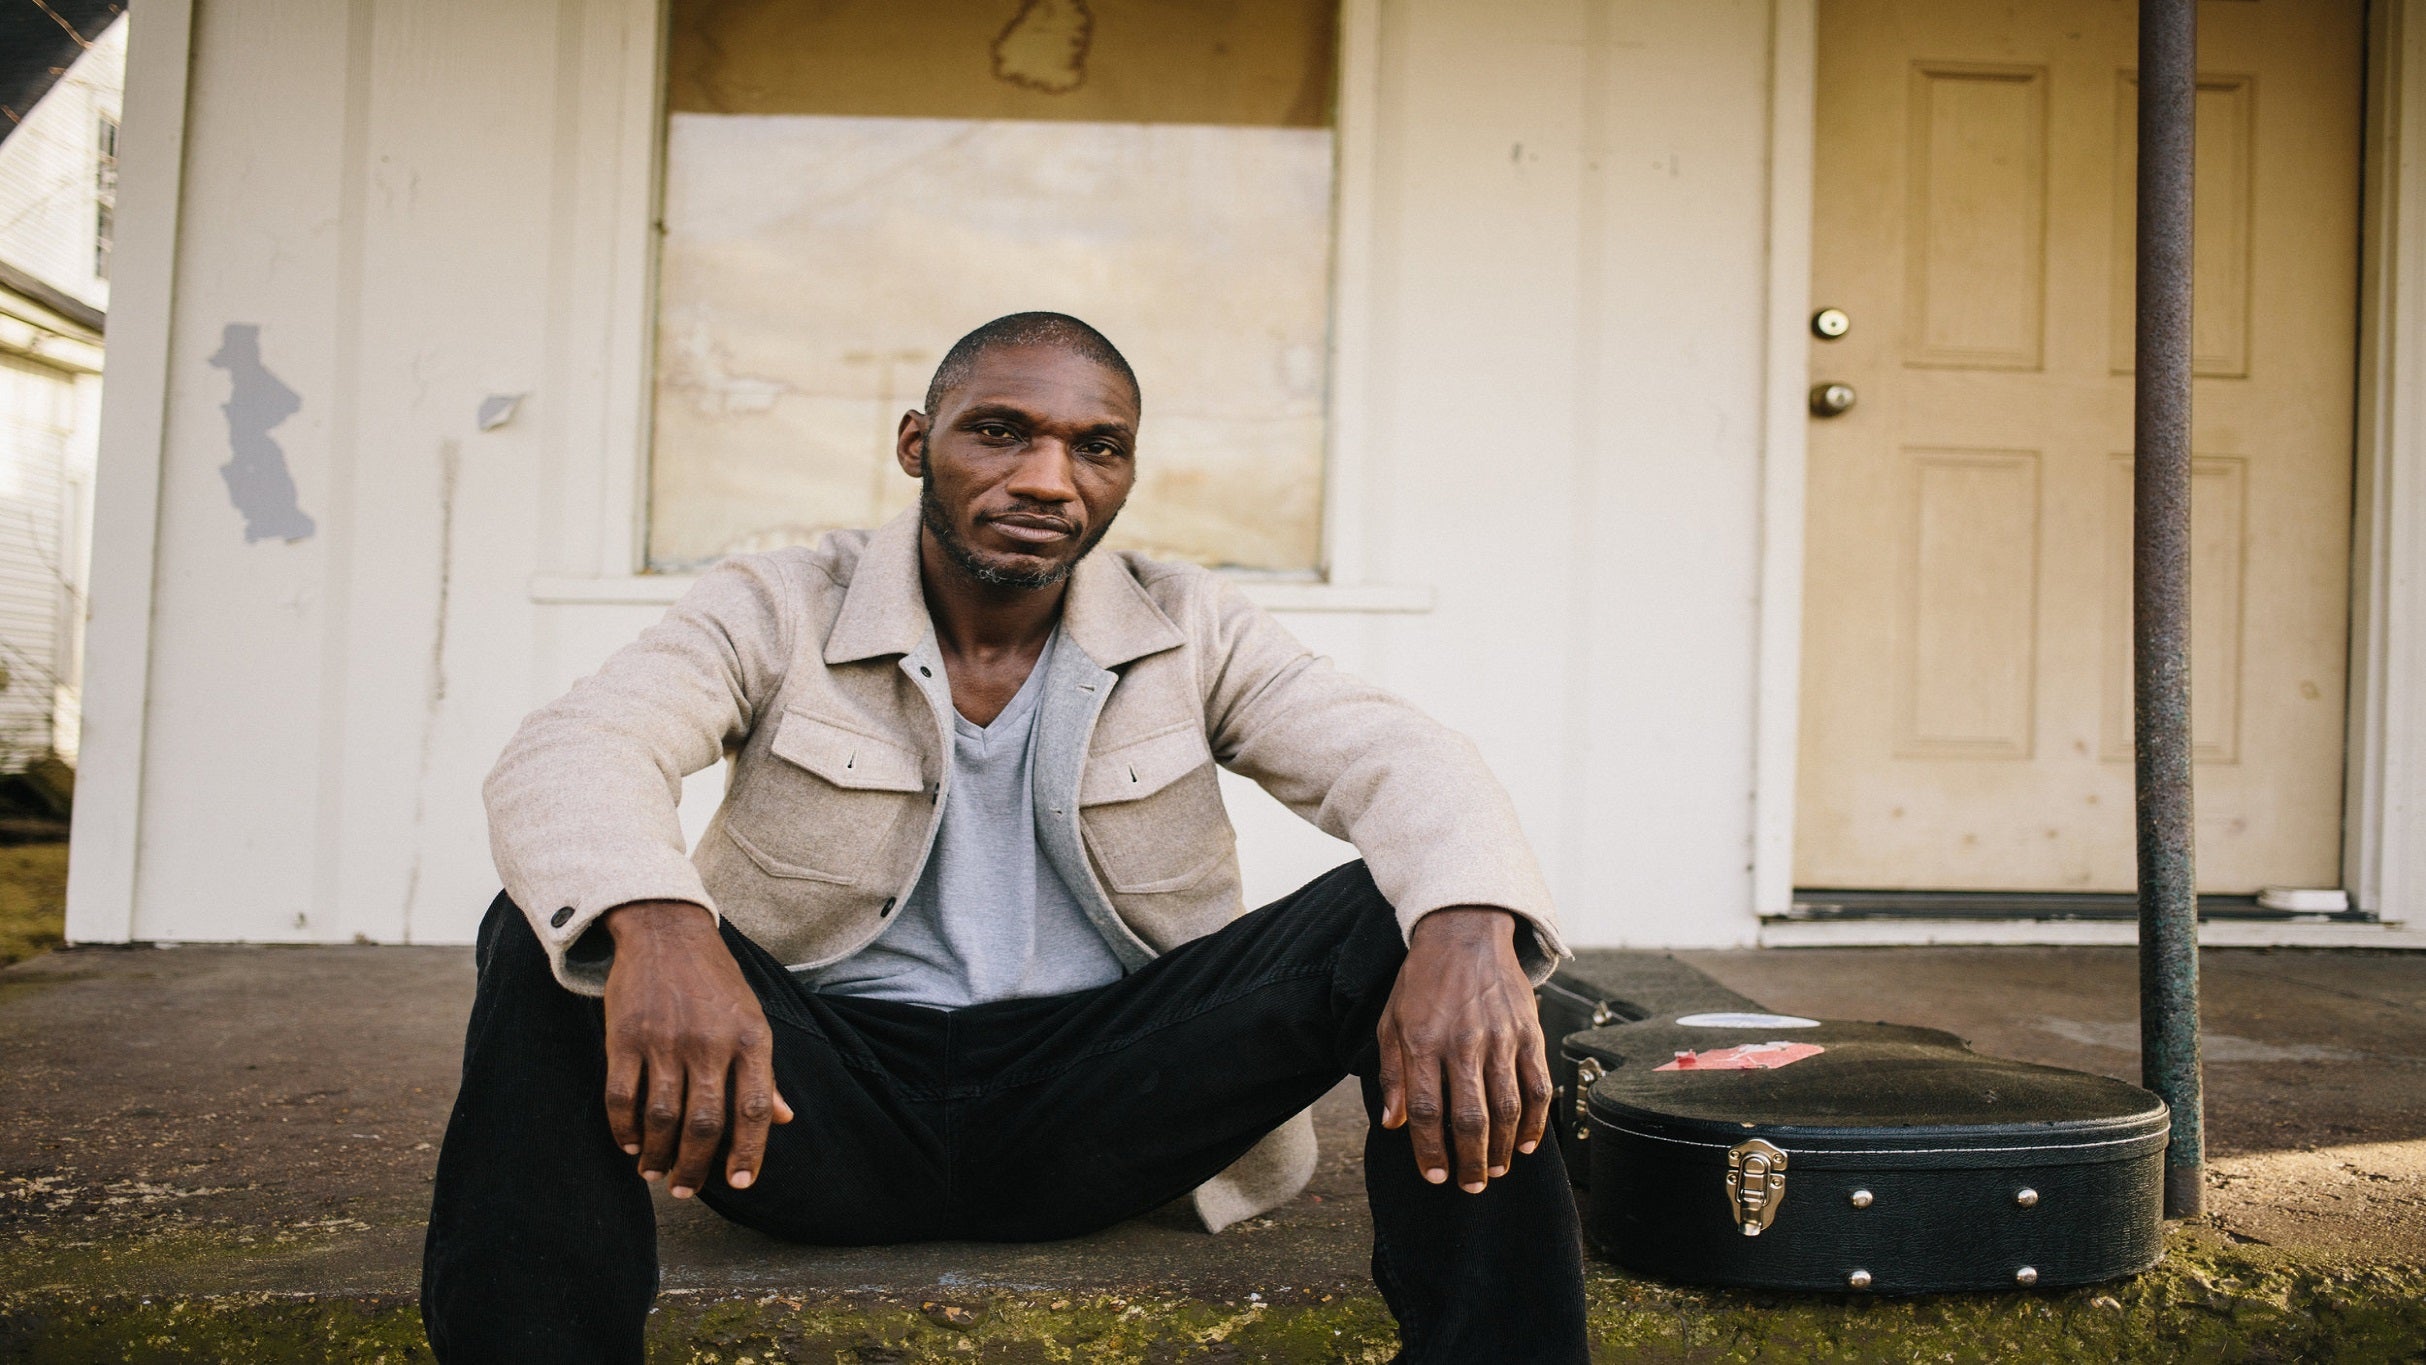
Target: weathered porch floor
{"points": [[224, 1154]]}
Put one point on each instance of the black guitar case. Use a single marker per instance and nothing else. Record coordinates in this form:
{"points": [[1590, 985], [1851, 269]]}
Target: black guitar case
{"points": [[1714, 1143], [1599, 987]]}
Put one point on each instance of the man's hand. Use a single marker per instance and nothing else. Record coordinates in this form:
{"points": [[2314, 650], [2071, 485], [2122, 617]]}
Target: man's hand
{"points": [[1461, 1042], [688, 1055]]}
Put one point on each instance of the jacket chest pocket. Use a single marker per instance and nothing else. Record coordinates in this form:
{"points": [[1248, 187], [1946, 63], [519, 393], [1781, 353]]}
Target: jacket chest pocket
{"points": [[1152, 813], [822, 811]]}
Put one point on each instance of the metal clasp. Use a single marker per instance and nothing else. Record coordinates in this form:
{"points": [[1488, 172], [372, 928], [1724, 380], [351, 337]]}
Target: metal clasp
{"points": [[1756, 1184], [1586, 1072]]}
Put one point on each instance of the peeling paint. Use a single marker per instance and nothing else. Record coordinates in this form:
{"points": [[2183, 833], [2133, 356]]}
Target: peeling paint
{"points": [[498, 409], [258, 482]]}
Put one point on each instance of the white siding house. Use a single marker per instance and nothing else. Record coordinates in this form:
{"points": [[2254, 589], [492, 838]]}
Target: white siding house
{"points": [[57, 194], [406, 290]]}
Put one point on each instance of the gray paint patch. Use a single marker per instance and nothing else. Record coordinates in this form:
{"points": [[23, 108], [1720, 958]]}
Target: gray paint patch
{"points": [[257, 401], [498, 409]]}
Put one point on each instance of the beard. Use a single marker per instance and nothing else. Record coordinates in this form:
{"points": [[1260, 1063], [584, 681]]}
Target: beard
{"points": [[976, 564]]}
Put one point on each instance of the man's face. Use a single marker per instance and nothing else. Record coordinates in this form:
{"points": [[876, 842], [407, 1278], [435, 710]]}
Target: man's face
{"points": [[1025, 464]]}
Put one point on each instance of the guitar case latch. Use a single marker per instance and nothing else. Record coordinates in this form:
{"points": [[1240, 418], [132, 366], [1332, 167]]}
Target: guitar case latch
{"points": [[1756, 1184]]}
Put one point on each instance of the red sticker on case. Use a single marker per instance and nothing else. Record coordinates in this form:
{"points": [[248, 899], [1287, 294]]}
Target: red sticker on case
{"points": [[1744, 1057]]}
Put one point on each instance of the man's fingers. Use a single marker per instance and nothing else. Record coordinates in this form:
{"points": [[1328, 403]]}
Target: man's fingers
{"points": [[660, 1116], [1507, 1104], [754, 1102], [623, 1098], [1392, 1076], [1533, 1076], [702, 1129], [783, 1108], [1425, 1114], [1470, 1118]]}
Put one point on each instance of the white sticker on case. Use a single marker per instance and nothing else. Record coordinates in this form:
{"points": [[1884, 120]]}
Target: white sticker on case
{"points": [[1724, 1020]]}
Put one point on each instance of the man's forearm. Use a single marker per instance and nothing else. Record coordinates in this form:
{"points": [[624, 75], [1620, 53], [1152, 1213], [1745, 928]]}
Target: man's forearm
{"points": [[654, 919], [1477, 924]]}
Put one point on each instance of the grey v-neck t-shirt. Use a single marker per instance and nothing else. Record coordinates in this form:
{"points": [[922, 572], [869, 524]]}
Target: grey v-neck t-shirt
{"points": [[990, 919]]}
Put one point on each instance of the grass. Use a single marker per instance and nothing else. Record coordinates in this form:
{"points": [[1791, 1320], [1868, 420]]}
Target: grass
{"points": [[33, 900]]}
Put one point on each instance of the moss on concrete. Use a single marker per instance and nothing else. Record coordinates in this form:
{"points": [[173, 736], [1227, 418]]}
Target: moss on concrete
{"points": [[699, 1330], [33, 899], [2210, 1302], [1095, 1329], [238, 1329]]}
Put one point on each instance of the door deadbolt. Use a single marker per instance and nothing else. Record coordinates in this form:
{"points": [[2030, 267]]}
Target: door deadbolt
{"points": [[1831, 400], [1830, 323]]}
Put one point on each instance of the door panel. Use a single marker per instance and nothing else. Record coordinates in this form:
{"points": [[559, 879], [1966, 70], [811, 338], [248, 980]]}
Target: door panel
{"points": [[1966, 718]]}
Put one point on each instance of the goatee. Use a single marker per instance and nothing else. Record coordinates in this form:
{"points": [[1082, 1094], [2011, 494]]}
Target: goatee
{"points": [[965, 556]]}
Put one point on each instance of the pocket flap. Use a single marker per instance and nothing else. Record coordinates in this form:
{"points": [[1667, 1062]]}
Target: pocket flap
{"points": [[1142, 767], [845, 757]]}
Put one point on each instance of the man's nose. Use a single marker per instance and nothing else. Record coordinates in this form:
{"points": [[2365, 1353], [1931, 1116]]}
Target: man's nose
{"points": [[1043, 473]]}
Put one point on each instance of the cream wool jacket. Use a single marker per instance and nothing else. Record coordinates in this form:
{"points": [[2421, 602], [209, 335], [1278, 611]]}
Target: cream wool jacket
{"points": [[817, 670]]}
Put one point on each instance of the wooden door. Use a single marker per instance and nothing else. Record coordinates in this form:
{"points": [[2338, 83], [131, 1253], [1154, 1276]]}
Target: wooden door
{"points": [[1966, 692]]}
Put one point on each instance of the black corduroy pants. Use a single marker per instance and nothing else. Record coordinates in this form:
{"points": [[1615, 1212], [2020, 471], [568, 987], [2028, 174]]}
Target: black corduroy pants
{"points": [[1021, 1120]]}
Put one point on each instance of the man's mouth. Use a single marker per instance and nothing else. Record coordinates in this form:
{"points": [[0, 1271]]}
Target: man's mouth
{"points": [[1031, 529]]}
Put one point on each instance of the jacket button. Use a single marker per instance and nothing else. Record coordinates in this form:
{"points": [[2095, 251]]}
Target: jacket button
{"points": [[925, 672], [561, 917], [888, 908]]}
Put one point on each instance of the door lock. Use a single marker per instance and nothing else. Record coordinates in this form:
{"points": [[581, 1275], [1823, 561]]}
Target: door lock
{"points": [[1831, 400]]}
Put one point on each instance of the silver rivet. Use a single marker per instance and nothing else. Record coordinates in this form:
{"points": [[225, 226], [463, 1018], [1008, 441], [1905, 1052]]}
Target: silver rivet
{"points": [[2026, 1197], [1859, 1279], [1861, 1199], [2026, 1276]]}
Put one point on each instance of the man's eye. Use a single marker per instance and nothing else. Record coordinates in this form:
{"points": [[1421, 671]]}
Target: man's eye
{"points": [[996, 431]]}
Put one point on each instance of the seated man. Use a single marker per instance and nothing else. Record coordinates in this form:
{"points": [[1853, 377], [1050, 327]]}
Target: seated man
{"points": [[962, 953]]}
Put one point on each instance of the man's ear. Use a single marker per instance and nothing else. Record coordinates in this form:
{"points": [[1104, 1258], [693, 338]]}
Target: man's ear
{"points": [[910, 444]]}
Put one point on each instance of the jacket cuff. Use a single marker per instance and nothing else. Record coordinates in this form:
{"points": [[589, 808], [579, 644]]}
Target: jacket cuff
{"points": [[569, 924]]}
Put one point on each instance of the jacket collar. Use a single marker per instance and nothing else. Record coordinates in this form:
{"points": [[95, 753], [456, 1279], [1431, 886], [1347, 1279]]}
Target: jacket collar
{"points": [[884, 611]]}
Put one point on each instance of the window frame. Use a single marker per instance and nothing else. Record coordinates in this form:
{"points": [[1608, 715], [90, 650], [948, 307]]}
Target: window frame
{"points": [[594, 547]]}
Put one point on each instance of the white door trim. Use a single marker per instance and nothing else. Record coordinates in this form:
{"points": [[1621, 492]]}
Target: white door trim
{"points": [[2384, 810], [106, 850], [1793, 69]]}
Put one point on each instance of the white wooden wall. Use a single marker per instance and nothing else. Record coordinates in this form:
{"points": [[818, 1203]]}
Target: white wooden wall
{"points": [[1555, 305]]}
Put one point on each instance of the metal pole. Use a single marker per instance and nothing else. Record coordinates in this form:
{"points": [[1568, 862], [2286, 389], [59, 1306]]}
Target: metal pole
{"points": [[2160, 591]]}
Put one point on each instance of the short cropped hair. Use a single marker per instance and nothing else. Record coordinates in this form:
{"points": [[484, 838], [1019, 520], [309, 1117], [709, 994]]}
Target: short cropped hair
{"points": [[1027, 329]]}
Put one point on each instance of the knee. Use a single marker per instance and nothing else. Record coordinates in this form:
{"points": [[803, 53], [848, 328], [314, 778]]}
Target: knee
{"points": [[505, 947], [1350, 886], [1361, 901], [1365, 927]]}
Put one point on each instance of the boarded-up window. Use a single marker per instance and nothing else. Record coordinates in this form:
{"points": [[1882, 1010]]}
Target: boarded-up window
{"points": [[852, 184]]}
